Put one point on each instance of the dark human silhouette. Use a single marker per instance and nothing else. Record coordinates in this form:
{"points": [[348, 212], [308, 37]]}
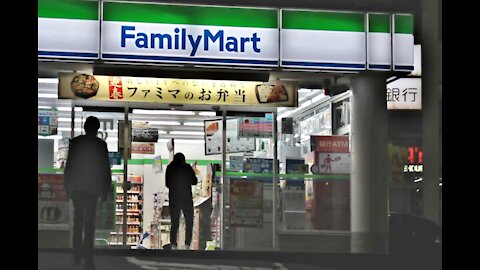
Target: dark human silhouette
{"points": [[179, 178], [87, 178]]}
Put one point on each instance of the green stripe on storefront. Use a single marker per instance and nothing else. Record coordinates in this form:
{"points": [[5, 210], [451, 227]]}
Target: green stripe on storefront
{"points": [[379, 23], [403, 24], [192, 15], [244, 175], [143, 161], [321, 20], [68, 9]]}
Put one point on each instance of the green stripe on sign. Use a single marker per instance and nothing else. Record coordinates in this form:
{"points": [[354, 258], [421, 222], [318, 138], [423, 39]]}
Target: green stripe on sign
{"points": [[379, 23], [68, 9], [320, 20], [193, 15], [403, 24]]}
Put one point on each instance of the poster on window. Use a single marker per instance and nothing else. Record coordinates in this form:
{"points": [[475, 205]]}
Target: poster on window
{"points": [[213, 138], [334, 162], [256, 127], [246, 203], [47, 122], [52, 199]]}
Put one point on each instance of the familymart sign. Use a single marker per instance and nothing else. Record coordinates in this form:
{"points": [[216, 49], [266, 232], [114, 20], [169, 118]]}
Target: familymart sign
{"points": [[190, 34], [216, 35]]}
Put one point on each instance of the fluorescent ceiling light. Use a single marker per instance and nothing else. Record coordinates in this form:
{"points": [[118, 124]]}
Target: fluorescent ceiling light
{"points": [[319, 97], [68, 129], [285, 114], [162, 132], [61, 119], [45, 107], [418, 180], [165, 123], [162, 112], [47, 80], [207, 113], [69, 109], [41, 95], [187, 133], [200, 124], [51, 137], [188, 141], [164, 140], [80, 129]]}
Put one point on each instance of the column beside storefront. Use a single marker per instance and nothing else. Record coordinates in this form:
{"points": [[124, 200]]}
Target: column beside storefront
{"points": [[369, 180]]}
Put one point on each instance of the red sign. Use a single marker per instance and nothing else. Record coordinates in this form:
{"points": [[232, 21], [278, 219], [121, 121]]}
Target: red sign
{"points": [[51, 187], [115, 87], [143, 148], [415, 155], [330, 144]]}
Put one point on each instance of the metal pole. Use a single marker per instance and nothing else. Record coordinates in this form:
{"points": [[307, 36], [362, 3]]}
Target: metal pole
{"points": [[224, 177], [126, 149], [274, 182]]}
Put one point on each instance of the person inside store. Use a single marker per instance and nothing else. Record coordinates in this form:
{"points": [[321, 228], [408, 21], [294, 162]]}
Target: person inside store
{"points": [[87, 179], [179, 178]]}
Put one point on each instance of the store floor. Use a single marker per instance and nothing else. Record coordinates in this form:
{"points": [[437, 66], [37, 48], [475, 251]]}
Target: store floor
{"points": [[231, 260]]}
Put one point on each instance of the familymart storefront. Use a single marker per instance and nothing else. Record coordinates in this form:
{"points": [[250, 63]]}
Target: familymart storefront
{"points": [[241, 197]]}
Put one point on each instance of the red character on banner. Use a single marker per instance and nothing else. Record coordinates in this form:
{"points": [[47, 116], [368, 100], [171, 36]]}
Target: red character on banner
{"points": [[115, 87]]}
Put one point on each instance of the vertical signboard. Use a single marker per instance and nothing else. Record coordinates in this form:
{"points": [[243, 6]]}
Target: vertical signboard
{"points": [[379, 42], [68, 29], [403, 42], [150, 32], [323, 40]]}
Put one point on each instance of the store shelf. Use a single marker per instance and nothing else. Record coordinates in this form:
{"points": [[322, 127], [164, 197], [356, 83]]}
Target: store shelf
{"points": [[128, 213], [130, 192], [139, 201], [129, 223], [128, 233], [119, 244]]}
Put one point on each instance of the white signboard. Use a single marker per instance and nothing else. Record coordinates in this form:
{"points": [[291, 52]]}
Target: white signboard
{"points": [[214, 35], [68, 29], [404, 94], [323, 40], [334, 162]]}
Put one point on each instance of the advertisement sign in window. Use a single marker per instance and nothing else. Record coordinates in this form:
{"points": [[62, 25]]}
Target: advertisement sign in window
{"points": [[246, 203], [52, 199], [176, 91]]}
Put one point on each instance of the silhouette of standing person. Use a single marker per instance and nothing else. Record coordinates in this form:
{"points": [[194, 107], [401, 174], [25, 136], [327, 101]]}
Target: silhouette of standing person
{"points": [[327, 162], [87, 177], [179, 178]]}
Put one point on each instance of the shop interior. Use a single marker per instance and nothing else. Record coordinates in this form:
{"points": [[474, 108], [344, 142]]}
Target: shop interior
{"points": [[239, 208]]}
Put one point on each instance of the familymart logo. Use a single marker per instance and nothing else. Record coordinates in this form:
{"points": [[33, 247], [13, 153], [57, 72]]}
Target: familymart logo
{"points": [[179, 38]]}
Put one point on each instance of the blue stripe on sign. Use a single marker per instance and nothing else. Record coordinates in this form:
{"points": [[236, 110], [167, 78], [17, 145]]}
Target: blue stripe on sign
{"points": [[409, 68], [186, 59], [68, 54], [317, 64], [387, 67]]}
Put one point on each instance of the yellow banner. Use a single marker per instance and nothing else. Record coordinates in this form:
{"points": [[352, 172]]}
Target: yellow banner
{"points": [[176, 91]]}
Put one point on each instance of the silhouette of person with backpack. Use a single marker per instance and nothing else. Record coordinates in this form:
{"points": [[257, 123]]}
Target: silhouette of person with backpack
{"points": [[87, 178], [179, 178]]}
